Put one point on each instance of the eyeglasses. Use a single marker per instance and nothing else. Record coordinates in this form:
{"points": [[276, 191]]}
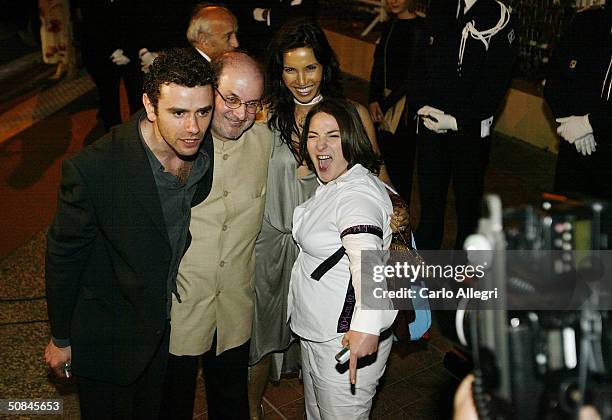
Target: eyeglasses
{"points": [[252, 107]]}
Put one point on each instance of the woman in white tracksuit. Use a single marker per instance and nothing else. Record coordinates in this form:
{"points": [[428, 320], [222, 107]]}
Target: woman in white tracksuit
{"points": [[349, 212]]}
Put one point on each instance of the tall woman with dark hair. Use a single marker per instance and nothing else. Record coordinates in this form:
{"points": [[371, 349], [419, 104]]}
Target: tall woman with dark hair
{"points": [[396, 61], [302, 69], [350, 212]]}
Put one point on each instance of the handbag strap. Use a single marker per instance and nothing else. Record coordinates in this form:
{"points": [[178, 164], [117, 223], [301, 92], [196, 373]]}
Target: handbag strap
{"points": [[397, 201]]}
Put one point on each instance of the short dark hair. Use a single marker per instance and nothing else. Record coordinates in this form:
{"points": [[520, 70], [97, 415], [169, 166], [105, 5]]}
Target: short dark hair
{"points": [[356, 146], [182, 66], [297, 33]]}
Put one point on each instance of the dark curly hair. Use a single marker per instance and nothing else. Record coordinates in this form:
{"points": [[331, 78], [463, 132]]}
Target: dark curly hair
{"points": [[296, 34], [356, 146], [182, 66]]}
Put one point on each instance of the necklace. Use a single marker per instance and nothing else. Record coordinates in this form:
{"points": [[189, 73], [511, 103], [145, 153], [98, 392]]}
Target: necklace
{"points": [[313, 101], [302, 110], [300, 120]]}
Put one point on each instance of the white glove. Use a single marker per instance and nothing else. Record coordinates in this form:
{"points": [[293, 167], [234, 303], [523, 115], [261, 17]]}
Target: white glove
{"points": [[261, 15], [572, 128], [586, 145], [119, 58], [146, 59], [436, 120]]}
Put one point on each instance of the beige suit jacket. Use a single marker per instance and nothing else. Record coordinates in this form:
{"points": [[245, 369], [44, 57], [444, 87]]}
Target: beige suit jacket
{"points": [[215, 278]]}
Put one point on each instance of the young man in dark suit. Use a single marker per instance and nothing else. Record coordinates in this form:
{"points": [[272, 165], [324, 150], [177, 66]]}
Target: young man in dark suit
{"points": [[120, 231]]}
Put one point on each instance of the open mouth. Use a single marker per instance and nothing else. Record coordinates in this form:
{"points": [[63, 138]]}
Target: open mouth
{"points": [[324, 162]]}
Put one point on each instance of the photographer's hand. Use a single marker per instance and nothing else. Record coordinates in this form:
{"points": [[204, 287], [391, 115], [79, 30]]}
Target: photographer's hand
{"points": [[588, 412], [464, 408]]}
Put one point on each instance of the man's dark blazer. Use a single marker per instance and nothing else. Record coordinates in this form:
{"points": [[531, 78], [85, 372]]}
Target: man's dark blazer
{"points": [[255, 36], [108, 257]]}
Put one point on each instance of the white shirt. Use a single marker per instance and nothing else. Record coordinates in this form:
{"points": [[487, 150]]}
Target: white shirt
{"points": [[356, 197], [203, 54]]}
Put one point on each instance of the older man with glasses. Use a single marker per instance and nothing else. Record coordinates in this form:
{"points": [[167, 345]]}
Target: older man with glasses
{"points": [[213, 318]]}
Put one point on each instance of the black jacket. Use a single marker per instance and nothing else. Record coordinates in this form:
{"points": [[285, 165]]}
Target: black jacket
{"points": [[474, 93], [399, 54], [108, 256], [580, 74], [254, 36], [283, 11], [133, 24], [154, 24]]}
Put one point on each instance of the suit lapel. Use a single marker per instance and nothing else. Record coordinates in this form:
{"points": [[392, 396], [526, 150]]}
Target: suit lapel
{"points": [[205, 184], [138, 173]]}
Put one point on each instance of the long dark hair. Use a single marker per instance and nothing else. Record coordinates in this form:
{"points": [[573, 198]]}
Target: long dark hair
{"points": [[298, 33], [356, 146]]}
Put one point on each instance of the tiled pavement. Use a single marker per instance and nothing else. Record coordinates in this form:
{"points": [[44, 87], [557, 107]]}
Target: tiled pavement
{"points": [[415, 386]]}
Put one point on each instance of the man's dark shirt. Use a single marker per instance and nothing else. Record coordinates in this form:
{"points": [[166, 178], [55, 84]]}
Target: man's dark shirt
{"points": [[175, 198]]}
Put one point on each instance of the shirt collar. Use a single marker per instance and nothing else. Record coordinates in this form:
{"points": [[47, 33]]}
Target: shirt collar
{"points": [[356, 170], [203, 54], [156, 165]]}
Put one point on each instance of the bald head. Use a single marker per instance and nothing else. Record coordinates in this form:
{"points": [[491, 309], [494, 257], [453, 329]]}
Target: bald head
{"points": [[240, 84], [212, 30], [238, 62]]}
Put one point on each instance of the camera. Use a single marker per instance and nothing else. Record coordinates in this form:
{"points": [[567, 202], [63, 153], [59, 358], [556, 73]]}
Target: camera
{"points": [[545, 350]]}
